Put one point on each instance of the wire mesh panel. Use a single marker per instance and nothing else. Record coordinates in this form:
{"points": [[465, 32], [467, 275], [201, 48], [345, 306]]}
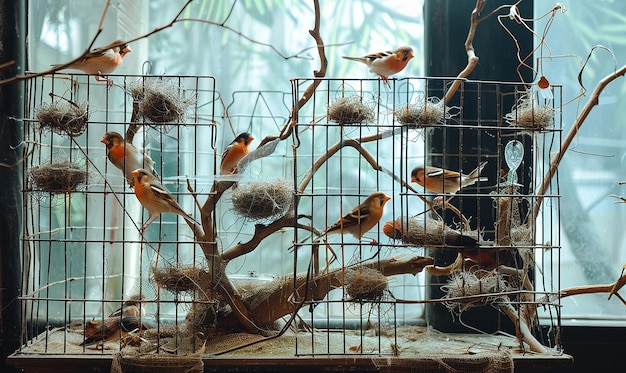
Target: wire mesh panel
{"points": [[87, 252], [459, 168]]}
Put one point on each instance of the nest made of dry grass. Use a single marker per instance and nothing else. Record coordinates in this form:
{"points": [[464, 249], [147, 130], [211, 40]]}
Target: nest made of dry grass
{"points": [[63, 117], [421, 112], [263, 200], [62, 177], [365, 284], [350, 110], [160, 100], [179, 279], [531, 116]]}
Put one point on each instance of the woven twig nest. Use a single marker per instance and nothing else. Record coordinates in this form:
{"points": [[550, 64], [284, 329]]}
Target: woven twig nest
{"points": [[427, 232], [263, 200], [464, 289], [365, 284], [161, 101], [421, 112], [63, 177], [179, 279], [350, 110], [531, 116], [63, 117]]}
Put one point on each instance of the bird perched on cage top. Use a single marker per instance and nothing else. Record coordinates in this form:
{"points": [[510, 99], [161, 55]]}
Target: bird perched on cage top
{"points": [[362, 218], [126, 156], [234, 152], [385, 64], [155, 198], [439, 180], [102, 61]]}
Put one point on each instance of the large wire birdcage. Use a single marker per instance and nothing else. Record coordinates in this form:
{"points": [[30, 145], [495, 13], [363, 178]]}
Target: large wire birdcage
{"points": [[493, 241], [260, 261]]}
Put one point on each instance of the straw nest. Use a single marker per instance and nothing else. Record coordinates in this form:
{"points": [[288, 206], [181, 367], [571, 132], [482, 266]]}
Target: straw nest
{"points": [[63, 177], [464, 289], [365, 284], [350, 110], [179, 279], [422, 112], [531, 116], [260, 200], [160, 101], [63, 117], [427, 232]]}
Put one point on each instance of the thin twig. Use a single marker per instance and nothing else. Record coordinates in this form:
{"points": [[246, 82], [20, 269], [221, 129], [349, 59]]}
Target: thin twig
{"points": [[101, 24], [292, 122], [472, 59]]}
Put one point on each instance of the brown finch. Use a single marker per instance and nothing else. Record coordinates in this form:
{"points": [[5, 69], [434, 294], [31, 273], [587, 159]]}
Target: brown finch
{"points": [[133, 306], [234, 152], [126, 156], [439, 180], [111, 328], [155, 198], [362, 218], [102, 61], [385, 64]]}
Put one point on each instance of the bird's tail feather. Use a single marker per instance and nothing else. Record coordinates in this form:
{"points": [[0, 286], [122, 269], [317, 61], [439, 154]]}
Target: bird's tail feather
{"points": [[359, 59], [190, 219], [475, 174]]}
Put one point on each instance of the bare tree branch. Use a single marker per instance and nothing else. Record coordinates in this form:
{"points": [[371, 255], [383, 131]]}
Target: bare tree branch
{"points": [[573, 132], [472, 59]]}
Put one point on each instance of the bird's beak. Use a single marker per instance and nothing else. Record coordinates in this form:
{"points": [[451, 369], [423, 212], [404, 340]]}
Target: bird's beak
{"points": [[387, 198], [104, 141], [413, 179]]}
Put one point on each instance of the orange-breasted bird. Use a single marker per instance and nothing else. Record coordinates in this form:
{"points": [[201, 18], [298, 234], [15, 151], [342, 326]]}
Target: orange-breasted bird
{"points": [[439, 180], [362, 218], [385, 64], [102, 61], [155, 198], [126, 156], [234, 152]]}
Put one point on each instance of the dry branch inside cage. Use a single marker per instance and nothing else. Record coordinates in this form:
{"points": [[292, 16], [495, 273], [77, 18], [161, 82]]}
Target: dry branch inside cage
{"points": [[160, 101], [529, 115], [258, 200], [421, 112], [62, 177], [63, 117], [350, 110]]}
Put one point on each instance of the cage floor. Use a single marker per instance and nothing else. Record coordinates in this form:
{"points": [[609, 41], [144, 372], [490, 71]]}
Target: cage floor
{"points": [[364, 350]]}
